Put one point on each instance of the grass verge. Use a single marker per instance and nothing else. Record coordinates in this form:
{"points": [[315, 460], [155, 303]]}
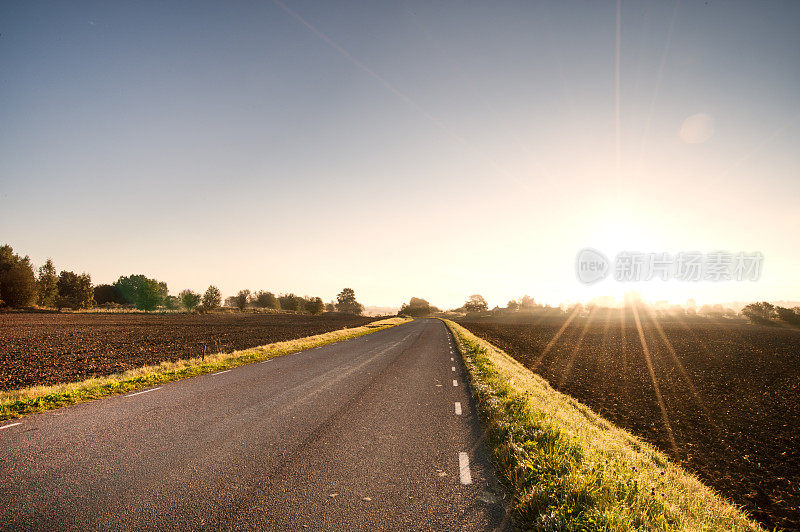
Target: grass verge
{"points": [[567, 468], [17, 403]]}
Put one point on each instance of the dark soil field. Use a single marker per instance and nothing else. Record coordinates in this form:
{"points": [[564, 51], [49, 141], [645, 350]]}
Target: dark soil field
{"points": [[721, 397], [53, 348]]}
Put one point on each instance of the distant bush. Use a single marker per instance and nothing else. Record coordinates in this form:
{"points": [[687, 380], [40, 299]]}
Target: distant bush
{"points": [[189, 299], [142, 292], [46, 284], [17, 280], [265, 300], [74, 291]]}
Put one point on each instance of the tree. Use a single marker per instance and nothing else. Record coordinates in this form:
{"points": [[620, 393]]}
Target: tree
{"points": [[476, 303], [712, 311], [212, 299], [265, 300], [189, 299], [291, 302], [106, 293], [242, 299], [172, 303], [74, 291], [142, 292], [315, 305], [46, 284], [417, 307], [512, 306], [789, 315], [346, 302], [17, 280], [527, 303], [575, 309], [760, 312], [330, 307]]}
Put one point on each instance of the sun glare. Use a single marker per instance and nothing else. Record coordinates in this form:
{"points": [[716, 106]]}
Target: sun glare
{"points": [[618, 234]]}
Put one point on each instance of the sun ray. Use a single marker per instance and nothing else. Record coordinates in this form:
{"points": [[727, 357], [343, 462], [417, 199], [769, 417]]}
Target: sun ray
{"points": [[606, 328], [681, 369], [555, 338], [574, 353], [682, 321], [617, 97], [739, 336], [623, 332], [659, 398], [659, 78]]}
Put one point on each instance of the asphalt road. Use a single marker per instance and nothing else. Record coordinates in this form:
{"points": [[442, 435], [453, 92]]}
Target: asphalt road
{"points": [[358, 435]]}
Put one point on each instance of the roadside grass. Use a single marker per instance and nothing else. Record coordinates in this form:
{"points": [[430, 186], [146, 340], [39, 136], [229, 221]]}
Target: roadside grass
{"points": [[567, 468], [18, 403]]}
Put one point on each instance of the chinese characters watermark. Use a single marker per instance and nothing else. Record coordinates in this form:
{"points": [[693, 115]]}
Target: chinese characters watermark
{"points": [[592, 266]]}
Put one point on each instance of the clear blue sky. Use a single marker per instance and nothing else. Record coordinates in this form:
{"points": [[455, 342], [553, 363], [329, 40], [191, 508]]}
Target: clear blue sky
{"points": [[404, 149]]}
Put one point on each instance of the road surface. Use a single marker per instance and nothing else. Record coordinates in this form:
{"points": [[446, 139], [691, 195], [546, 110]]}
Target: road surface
{"points": [[374, 433]]}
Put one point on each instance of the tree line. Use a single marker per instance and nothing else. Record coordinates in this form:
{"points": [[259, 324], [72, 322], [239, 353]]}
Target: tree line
{"points": [[418, 307], [22, 286], [767, 313]]}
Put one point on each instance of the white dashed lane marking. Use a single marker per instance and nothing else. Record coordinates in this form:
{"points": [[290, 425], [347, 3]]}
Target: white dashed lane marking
{"points": [[220, 372], [453, 368], [145, 391], [455, 382], [458, 409], [11, 425], [463, 468]]}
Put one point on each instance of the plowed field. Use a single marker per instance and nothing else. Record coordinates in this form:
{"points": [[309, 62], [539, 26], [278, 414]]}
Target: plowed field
{"points": [[53, 348], [722, 397]]}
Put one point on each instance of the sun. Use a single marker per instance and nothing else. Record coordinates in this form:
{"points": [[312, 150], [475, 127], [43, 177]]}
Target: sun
{"points": [[616, 235], [629, 231]]}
